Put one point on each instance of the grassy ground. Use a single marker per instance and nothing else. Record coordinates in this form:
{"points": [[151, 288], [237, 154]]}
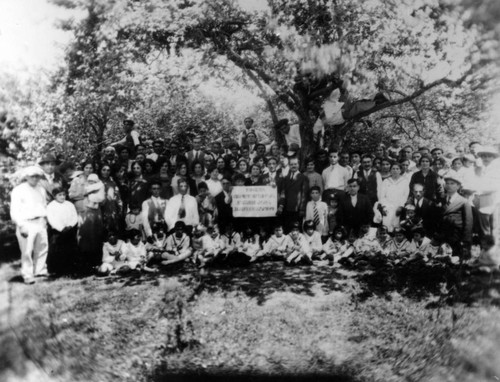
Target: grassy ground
{"points": [[267, 320]]}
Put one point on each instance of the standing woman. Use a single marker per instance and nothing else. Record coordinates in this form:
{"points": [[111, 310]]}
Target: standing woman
{"points": [[255, 178], [149, 169], [182, 173], [112, 206], [230, 167], [432, 189], [91, 233], [220, 163], [120, 178], [138, 186], [197, 173], [385, 168], [393, 197], [77, 190], [242, 167], [166, 191]]}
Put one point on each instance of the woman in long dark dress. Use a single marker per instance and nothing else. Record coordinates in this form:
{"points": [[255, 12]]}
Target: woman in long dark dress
{"points": [[112, 207], [138, 186], [91, 232]]}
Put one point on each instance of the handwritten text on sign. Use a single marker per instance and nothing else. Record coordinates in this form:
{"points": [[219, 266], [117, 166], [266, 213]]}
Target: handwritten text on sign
{"points": [[254, 201]]}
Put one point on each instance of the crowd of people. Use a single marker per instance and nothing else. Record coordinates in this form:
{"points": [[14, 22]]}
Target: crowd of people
{"points": [[147, 204]]}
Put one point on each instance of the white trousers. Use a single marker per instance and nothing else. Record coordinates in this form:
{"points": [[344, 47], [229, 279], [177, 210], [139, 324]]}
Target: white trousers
{"points": [[34, 248]]}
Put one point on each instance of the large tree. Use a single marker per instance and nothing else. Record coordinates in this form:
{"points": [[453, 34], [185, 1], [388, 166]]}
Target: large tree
{"points": [[420, 65]]}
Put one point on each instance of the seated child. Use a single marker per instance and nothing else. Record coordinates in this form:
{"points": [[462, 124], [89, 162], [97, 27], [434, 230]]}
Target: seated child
{"points": [[313, 238], [63, 221], [367, 244], [156, 247], [250, 244], [231, 241], [134, 218], [333, 207], [488, 259], [135, 252], [206, 205], [317, 211], [208, 246], [299, 252], [411, 220], [337, 247], [383, 237], [113, 255], [177, 246], [275, 247], [438, 249], [419, 246], [399, 246]]}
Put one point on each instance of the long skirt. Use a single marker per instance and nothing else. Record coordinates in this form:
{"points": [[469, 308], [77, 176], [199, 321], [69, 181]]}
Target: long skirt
{"points": [[63, 251], [91, 239], [112, 217]]}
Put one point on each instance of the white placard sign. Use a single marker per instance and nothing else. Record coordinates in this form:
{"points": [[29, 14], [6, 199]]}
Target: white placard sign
{"points": [[254, 201]]}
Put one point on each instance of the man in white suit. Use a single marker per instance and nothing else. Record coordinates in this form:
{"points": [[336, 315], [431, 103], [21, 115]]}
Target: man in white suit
{"points": [[182, 207]]}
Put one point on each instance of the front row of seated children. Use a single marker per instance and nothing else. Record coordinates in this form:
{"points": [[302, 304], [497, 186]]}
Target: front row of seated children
{"points": [[208, 247]]}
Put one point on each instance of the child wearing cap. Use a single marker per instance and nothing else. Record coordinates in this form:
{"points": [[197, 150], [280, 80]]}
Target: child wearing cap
{"points": [[63, 220], [411, 220]]}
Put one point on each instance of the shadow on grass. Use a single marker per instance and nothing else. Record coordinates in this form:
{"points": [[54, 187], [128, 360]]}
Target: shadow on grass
{"points": [[417, 280]]}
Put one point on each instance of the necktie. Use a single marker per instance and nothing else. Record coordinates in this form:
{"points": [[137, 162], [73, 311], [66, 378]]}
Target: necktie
{"points": [[182, 209], [448, 199], [195, 155], [316, 214]]}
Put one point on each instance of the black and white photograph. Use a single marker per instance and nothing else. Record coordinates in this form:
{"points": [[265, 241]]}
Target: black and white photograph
{"points": [[250, 190]]}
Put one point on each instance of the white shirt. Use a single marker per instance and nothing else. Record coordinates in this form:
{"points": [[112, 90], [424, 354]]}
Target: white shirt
{"points": [[335, 176], [172, 211], [159, 203], [27, 203], [214, 187], [61, 215]]}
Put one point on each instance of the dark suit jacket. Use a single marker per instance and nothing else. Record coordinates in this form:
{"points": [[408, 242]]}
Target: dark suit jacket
{"points": [[190, 158], [456, 221], [427, 212], [352, 218], [224, 210], [294, 193]]}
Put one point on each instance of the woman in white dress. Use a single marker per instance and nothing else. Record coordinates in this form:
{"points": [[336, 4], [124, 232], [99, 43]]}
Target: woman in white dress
{"points": [[393, 196]]}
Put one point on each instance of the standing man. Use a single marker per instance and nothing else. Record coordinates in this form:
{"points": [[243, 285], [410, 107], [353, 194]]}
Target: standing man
{"points": [[28, 211], [153, 209], [196, 154], [294, 193], [182, 207], [224, 201], [370, 181], [158, 148], [488, 190], [456, 219], [50, 178], [335, 176], [355, 209], [132, 138]]}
